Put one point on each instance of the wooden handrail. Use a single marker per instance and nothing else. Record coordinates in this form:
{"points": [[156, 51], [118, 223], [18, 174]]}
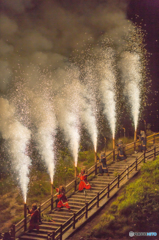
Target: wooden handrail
{"points": [[84, 209], [46, 201], [90, 169], [19, 222]]}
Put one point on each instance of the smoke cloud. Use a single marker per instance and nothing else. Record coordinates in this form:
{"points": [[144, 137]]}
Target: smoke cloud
{"points": [[131, 69], [17, 137], [57, 68]]}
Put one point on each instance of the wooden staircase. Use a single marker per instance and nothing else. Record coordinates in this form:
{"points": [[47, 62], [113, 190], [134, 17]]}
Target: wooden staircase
{"points": [[77, 200]]}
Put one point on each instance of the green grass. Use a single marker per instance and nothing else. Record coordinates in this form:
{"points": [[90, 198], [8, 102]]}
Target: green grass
{"points": [[17, 219], [5, 216], [4, 203], [6, 185], [136, 208], [87, 158]]}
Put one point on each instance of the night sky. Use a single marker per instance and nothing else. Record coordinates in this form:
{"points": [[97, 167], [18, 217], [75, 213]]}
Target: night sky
{"points": [[146, 13]]}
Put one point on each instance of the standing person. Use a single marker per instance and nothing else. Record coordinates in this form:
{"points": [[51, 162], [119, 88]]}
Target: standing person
{"points": [[34, 221], [63, 202], [142, 138], [121, 151], [83, 181], [103, 166]]}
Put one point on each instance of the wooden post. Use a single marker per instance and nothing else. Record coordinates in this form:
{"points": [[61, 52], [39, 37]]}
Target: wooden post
{"points": [[134, 146], [75, 171], [154, 153], [95, 169], [113, 155], [13, 232], [86, 215], [144, 157], [61, 232], [127, 172], [113, 143], [52, 189], [108, 191], [53, 235], [118, 180], [135, 135], [40, 213], [52, 196], [98, 200], [52, 203], [74, 220], [154, 139], [95, 159], [25, 217], [136, 164], [75, 185], [113, 149]]}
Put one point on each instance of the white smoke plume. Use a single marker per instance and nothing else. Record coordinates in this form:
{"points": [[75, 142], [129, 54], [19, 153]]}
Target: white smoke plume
{"points": [[89, 120], [131, 70], [89, 103], [44, 121], [17, 137], [107, 76], [68, 103]]}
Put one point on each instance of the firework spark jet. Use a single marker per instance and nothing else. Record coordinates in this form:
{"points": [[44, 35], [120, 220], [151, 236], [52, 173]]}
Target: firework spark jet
{"points": [[89, 110], [131, 76], [106, 71], [45, 130], [17, 137]]}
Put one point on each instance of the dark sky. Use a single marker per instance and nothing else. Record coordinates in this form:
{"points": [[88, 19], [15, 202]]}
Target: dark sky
{"points": [[146, 12]]}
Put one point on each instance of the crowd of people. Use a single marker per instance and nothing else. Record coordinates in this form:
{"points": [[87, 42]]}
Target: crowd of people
{"points": [[84, 184]]}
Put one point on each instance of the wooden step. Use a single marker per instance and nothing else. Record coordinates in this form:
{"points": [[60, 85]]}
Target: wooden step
{"points": [[78, 200], [42, 231], [105, 179], [81, 195], [75, 206], [99, 182], [93, 191], [63, 212], [54, 223], [47, 226], [77, 203], [98, 188], [59, 217], [116, 168], [35, 234], [89, 193], [25, 237]]}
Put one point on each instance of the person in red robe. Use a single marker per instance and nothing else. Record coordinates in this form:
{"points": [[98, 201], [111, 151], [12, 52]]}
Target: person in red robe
{"points": [[83, 181], [34, 221], [62, 197]]}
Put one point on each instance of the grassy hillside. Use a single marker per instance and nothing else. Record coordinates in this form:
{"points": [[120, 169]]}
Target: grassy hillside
{"points": [[136, 209]]}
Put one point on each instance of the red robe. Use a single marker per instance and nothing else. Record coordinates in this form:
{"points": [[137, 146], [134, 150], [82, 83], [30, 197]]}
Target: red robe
{"points": [[63, 200], [34, 221], [84, 183]]}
